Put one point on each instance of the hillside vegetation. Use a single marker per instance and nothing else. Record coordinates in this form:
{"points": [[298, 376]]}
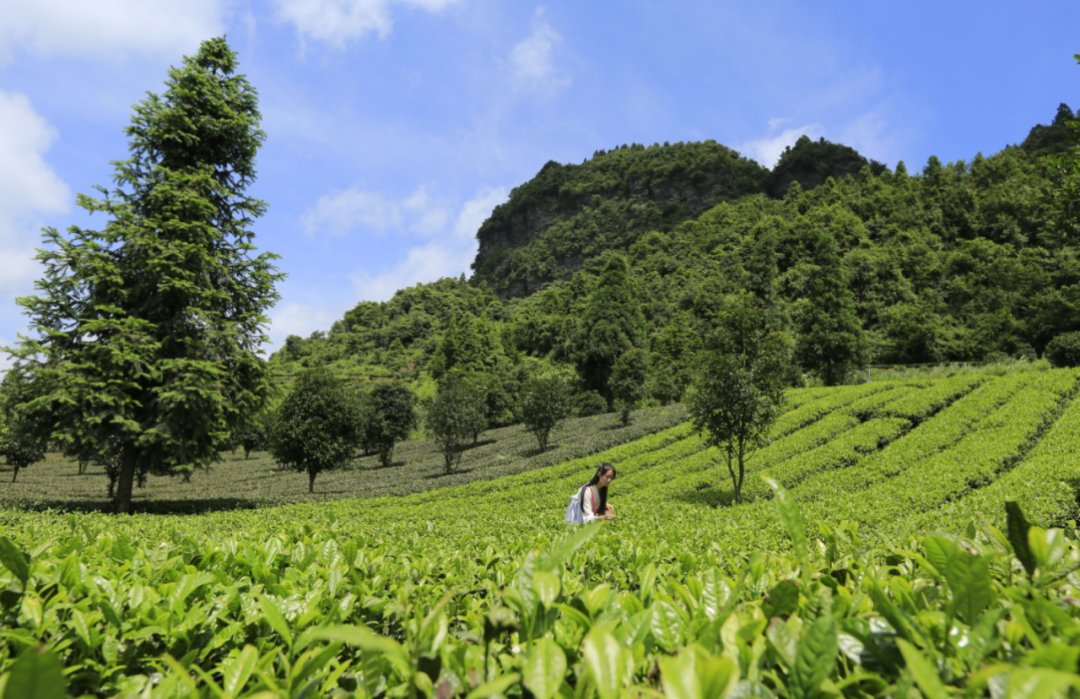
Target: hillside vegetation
{"points": [[811, 587], [956, 262]]}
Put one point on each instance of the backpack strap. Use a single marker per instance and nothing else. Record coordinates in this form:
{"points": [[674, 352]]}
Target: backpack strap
{"points": [[594, 503]]}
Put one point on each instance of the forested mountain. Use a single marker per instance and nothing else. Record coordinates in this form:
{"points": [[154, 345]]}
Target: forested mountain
{"points": [[961, 261], [570, 213]]}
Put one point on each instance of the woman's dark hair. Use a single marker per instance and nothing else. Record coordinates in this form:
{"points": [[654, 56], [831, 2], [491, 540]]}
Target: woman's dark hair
{"points": [[601, 507]]}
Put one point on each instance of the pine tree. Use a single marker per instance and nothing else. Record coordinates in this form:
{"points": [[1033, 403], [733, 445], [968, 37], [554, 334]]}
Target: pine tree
{"points": [[147, 330]]}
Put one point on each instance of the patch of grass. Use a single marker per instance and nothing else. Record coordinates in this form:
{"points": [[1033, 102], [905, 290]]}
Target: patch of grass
{"points": [[238, 483]]}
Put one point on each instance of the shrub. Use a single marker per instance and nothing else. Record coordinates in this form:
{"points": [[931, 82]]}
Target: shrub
{"points": [[1064, 350], [589, 403]]}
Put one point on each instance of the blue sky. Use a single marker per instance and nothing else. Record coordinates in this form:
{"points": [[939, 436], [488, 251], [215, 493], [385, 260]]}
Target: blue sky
{"points": [[395, 126]]}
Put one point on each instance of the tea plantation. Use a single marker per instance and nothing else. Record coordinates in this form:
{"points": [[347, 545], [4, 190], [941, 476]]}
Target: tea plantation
{"points": [[877, 559]]}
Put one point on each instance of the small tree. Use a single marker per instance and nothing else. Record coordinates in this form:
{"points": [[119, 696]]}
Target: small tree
{"points": [[740, 383], [454, 416], [22, 437], [256, 436], [546, 403], [628, 381], [317, 427], [392, 414], [20, 449]]}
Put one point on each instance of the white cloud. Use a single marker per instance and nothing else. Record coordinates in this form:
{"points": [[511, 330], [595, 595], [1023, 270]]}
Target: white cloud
{"points": [[475, 211], [871, 136], [27, 183], [29, 189], [768, 150], [336, 22], [447, 256], [533, 59], [300, 319], [20, 267], [869, 133], [107, 28], [376, 213], [343, 212]]}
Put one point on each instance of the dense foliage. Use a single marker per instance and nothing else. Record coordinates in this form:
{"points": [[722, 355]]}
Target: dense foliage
{"points": [[882, 563], [569, 213], [961, 262], [147, 331]]}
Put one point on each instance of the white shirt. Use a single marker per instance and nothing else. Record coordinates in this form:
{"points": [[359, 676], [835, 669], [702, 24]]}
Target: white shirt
{"points": [[589, 513]]}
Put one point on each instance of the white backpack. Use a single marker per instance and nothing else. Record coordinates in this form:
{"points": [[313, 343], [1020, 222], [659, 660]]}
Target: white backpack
{"points": [[574, 511]]}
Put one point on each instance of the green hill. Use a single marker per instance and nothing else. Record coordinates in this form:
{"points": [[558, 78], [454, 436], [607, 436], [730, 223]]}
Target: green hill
{"points": [[479, 589], [568, 214], [964, 261]]}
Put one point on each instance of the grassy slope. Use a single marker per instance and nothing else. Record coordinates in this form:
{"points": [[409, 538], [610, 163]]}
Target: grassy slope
{"points": [[236, 482]]}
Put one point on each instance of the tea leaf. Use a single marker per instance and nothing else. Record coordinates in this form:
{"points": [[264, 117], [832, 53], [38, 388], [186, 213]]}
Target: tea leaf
{"points": [[361, 637], [237, 671], [609, 664], [666, 625], [782, 600], [15, 560], [36, 674], [495, 688], [1047, 546], [547, 587], [816, 655], [1040, 683], [923, 672], [793, 522], [276, 619], [545, 668], [1018, 536]]}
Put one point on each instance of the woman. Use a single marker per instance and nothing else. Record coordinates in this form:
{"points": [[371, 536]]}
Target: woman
{"points": [[594, 504]]}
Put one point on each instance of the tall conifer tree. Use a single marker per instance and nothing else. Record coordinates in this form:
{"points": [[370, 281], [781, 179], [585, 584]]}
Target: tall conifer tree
{"points": [[611, 324], [832, 342], [147, 331]]}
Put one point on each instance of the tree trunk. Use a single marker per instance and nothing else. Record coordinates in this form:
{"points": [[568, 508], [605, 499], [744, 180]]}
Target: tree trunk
{"points": [[736, 486], [742, 472], [14, 473], [124, 480], [311, 480]]}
